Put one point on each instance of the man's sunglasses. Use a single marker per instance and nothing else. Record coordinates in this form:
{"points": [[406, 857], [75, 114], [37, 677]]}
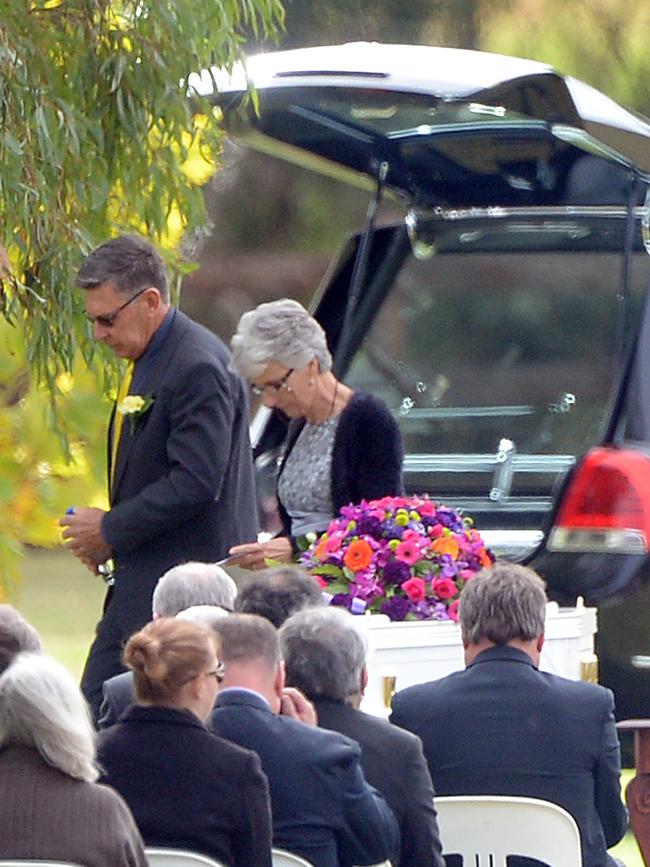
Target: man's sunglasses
{"points": [[107, 320], [278, 385]]}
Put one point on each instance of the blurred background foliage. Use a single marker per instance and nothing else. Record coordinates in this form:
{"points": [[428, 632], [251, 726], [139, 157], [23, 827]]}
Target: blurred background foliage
{"points": [[97, 137], [101, 140]]}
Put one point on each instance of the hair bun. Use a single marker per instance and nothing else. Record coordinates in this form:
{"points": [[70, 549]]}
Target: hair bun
{"points": [[143, 653]]}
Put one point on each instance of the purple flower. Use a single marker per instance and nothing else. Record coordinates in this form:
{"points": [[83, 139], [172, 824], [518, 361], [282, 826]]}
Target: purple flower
{"points": [[391, 530], [342, 599], [383, 556], [369, 525], [396, 608], [396, 571], [440, 611]]}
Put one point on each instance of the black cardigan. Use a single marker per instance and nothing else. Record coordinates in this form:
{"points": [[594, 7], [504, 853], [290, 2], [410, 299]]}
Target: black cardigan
{"points": [[366, 457]]}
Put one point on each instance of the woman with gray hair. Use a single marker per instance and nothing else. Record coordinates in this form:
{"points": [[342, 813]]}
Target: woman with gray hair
{"points": [[342, 446], [50, 805]]}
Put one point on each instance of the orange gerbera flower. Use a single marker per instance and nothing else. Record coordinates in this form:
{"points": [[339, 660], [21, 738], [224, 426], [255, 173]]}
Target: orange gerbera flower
{"points": [[446, 545], [358, 556]]}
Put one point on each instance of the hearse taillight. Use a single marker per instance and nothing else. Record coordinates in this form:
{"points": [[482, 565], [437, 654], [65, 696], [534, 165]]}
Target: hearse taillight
{"points": [[606, 506]]}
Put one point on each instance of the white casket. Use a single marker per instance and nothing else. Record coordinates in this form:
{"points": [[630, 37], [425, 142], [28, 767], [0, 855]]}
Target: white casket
{"points": [[402, 654]]}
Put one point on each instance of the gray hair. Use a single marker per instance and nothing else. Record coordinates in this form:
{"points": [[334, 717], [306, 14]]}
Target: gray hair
{"points": [[278, 592], [205, 615], [192, 584], [129, 262], [16, 636], [281, 331], [248, 638], [324, 653], [41, 707], [501, 604]]}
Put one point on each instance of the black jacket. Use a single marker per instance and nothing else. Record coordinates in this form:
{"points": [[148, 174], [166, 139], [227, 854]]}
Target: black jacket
{"points": [[366, 458], [188, 788], [393, 763], [502, 727], [183, 484]]}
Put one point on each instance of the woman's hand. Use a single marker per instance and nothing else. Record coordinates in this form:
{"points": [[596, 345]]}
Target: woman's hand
{"points": [[253, 555]]}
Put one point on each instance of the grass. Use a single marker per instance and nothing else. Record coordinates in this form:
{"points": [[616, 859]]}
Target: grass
{"points": [[63, 601]]}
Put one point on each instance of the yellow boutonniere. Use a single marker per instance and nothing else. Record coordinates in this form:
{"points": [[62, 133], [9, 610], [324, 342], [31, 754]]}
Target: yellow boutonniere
{"points": [[134, 406]]}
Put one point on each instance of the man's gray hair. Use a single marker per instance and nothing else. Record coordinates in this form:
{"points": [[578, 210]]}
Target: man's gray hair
{"points": [[16, 636], [248, 638], [193, 584], [41, 707], [324, 653], [501, 604], [129, 262], [281, 331]]}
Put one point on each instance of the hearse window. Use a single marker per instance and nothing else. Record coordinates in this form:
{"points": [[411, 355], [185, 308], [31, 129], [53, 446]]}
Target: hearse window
{"points": [[498, 363]]}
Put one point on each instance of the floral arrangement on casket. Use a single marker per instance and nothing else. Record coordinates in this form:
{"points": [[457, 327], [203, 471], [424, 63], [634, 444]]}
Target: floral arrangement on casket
{"points": [[406, 557]]}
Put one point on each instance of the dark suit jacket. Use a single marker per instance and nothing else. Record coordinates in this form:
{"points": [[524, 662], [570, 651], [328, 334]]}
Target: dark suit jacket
{"points": [[188, 788], [502, 727], [183, 487], [117, 696], [322, 807], [392, 762]]}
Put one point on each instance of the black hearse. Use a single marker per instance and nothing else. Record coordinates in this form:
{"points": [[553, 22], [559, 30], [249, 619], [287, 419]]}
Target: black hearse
{"points": [[505, 319]]}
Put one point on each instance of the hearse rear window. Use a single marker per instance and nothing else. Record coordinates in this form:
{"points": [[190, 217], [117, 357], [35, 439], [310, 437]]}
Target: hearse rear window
{"points": [[500, 364]]}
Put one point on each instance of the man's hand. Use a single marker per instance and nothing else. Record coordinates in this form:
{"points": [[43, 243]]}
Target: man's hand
{"points": [[82, 531], [295, 705], [253, 555]]}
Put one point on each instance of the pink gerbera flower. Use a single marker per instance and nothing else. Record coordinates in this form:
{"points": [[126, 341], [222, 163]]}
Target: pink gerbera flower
{"points": [[408, 552]]}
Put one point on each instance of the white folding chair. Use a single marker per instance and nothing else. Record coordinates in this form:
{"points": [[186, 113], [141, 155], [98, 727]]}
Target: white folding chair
{"points": [[282, 858], [485, 829], [159, 857]]}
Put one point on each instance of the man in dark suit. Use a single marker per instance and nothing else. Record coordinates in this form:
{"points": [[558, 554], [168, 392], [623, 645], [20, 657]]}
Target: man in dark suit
{"points": [[179, 460], [502, 727], [323, 809], [324, 653]]}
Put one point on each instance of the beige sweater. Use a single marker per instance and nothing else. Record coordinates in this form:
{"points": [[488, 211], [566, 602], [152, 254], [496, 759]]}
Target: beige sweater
{"points": [[46, 814]]}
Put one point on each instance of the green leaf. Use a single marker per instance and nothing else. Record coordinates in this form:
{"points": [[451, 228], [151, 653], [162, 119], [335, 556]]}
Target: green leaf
{"points": [[12, 143], [328, 570]]}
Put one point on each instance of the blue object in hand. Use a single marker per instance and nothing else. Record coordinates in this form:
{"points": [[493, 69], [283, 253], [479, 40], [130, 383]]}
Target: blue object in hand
{"points": [[70, 510]]}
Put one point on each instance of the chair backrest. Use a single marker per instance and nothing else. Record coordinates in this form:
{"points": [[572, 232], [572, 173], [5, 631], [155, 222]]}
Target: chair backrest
{"points": [[485, 829], [158, 857], [282, 858]]}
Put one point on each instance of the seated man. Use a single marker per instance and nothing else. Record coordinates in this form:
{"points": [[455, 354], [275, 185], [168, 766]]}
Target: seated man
{"points": [[16, 636], [323, 809], [502, 727], [181, 587], [277, 593], [325, 657]]}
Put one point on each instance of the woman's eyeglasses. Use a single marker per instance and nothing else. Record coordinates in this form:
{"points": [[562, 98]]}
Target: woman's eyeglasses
{"points": [[276, 386], [217, 673], [107, 320]]}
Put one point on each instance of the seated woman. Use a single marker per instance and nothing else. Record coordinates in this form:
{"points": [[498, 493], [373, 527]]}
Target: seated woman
{"points": [[187, 787], [50, 805], [342, 446]]}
